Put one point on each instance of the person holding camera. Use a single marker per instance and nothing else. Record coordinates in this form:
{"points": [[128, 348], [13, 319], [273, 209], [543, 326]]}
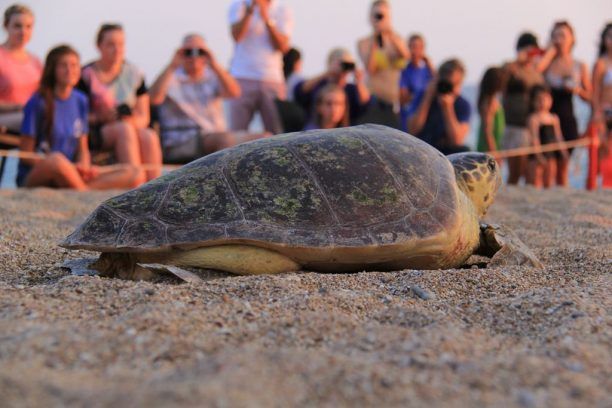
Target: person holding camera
{"points": [[120, 114], [340, 68], [384, 55], [414, 78], [443, 117], [261, 30], [189, 96]]}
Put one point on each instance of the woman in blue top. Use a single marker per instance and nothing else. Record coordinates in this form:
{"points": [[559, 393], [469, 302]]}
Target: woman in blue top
{"points": [[55, 124]]}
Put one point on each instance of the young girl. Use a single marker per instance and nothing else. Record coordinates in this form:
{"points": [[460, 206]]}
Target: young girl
{"points": [[544, 128], [492, 119], [331, 110], [55, 123]]}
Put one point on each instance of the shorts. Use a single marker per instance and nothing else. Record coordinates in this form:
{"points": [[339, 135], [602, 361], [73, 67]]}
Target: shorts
{"points": [[515, 137], [95, 140]]}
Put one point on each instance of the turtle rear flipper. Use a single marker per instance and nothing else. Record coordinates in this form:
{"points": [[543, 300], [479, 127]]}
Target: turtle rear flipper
{"points": [[504, 247]]}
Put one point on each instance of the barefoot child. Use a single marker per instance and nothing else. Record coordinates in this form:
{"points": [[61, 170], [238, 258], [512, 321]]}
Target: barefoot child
{"points": [[544, 129], [55, 124]]}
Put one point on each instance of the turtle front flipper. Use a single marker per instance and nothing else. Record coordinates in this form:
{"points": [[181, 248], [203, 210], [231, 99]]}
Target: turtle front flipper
{"points": [[504, 247], [123, 266]]}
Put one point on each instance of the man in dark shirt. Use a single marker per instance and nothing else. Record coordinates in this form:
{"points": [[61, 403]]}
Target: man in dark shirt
{"points": [[443, 117]]}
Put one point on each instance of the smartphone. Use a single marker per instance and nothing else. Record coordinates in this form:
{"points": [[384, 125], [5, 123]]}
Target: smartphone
{"points": [[379, 40]]}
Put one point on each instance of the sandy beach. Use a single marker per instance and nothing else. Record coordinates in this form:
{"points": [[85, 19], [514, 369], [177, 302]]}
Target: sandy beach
{"points": [[499, 337]]}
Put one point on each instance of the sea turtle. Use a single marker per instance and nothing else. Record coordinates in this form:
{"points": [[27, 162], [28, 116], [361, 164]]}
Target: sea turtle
{"points": [[350, 199]]}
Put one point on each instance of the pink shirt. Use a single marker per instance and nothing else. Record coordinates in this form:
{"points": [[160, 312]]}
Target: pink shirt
{"points": [[18, 79]]}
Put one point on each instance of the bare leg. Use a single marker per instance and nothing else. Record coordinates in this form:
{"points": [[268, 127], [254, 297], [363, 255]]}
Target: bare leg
{"points": [[55, 170], [550, 172], [517, 167], [150, 152], [534, 173], [121, 138], [563, 172], [213, 142], [124, 177]]}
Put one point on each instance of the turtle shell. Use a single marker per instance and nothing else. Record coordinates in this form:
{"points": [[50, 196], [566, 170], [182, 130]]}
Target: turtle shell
{"points": [[352, 187]]}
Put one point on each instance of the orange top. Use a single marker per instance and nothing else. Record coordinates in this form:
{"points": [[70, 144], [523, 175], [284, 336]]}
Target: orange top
{"points": [[18, 79]]}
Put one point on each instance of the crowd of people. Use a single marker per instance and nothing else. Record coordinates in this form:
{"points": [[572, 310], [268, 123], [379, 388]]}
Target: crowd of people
{"points": [[69, 112]]}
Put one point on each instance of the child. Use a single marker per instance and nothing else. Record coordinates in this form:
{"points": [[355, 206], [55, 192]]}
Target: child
{"points": [[543, 128], [55, 123], [492, 119], [331, 110]]}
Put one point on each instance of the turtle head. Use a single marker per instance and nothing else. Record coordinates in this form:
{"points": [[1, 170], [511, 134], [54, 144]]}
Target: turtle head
{"points": [[478, 176]]}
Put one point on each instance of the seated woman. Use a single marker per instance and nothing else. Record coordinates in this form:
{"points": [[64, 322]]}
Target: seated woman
{"points": [[55, 123], [119, 103], [19, 70], [331, 110], [189, 95], [340, 67]]}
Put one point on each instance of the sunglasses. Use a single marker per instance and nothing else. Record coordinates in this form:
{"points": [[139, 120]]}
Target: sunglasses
{"points": [[194, 52], [379, 16]]}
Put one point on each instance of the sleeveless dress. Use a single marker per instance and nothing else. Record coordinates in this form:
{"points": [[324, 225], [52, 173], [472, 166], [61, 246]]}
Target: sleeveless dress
{"points": [[499, 124], [563, 105]]}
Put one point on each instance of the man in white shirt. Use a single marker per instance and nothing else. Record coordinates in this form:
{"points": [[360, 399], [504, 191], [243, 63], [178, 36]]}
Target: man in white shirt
{"points": [[261, 30]]}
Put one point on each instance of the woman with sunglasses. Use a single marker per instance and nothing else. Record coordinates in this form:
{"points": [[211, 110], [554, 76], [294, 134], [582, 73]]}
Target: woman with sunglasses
{"points": [[189, 97], [120, 115]]}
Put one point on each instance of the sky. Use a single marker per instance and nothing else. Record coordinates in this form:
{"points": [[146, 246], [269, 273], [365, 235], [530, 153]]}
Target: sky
{"points": [[481, 32]]}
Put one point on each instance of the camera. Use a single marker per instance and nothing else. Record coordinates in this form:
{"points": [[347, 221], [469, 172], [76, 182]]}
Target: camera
{"points": [[347, 66], [444, 87], [379, 16], [124, 110]]}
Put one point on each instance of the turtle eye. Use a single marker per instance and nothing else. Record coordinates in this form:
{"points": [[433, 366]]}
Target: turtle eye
{"points": [[491, 164]]}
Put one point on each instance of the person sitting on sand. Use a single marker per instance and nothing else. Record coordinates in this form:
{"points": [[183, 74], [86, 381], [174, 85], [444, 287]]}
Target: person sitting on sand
{"points": [[331, 110], [340, 66], [492, 119], [19, 70], [120, 112], [544, 128], [189, 95], [55, 124], [443, 117]]}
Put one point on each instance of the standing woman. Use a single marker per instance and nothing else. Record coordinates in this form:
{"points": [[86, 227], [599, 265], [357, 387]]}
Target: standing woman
{"points": [[55, 124], [19, 70], [602, 90], [120, 113], [384, 55], [566, 77], [492, 119], [522, 75]]}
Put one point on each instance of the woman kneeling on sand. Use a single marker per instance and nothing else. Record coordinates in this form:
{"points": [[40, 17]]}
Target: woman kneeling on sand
{"points": [[55, 123]]}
